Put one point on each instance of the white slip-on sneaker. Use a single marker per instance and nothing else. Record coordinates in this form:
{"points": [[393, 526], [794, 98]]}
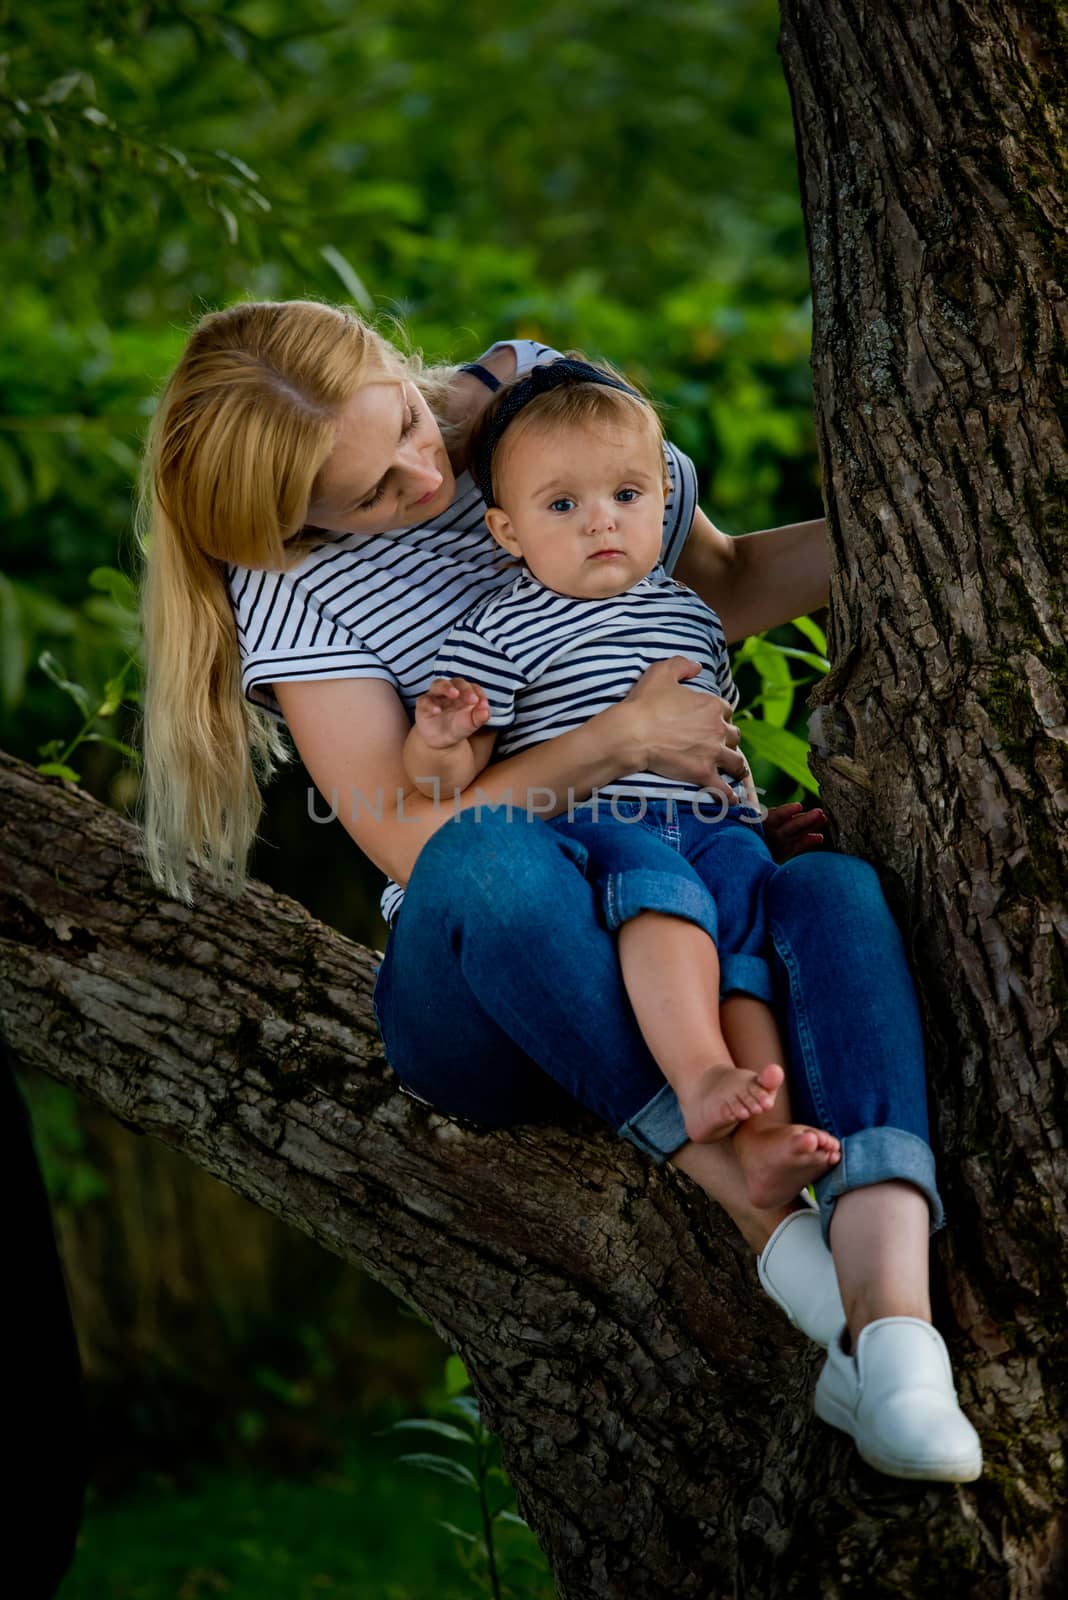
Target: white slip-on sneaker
{"points": [[895, 1398], [796, 1269]]}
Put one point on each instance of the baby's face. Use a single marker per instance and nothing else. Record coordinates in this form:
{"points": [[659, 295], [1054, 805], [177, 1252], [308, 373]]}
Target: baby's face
{"points": [[584, 506]]}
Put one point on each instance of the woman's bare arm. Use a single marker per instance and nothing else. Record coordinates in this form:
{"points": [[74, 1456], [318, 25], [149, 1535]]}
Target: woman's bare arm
{"points": [[758, 580], [350, 733]]}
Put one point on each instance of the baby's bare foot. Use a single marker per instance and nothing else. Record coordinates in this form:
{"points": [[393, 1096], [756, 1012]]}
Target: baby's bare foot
{"points": [[724, 1096], [779, 1161]]}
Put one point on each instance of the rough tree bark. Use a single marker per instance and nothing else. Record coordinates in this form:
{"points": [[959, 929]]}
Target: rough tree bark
{"points": [[933, 147], [653, 1409]]}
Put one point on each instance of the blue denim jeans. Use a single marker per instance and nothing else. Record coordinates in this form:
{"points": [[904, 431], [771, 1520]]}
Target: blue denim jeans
{"points": [[500, 1000], [699, 861]]}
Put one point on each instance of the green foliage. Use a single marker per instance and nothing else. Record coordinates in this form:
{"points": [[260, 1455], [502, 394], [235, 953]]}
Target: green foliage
{"points": [[364, 1530], [499, 1555], [588, 175], [57, 753], [775, 752], [70, 1177]]}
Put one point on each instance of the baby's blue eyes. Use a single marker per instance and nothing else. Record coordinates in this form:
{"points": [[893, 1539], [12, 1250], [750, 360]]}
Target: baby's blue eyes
{"points": [[565, 503]]}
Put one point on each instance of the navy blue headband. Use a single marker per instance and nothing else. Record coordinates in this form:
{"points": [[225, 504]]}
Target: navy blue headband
{"points": [[539, 381]]}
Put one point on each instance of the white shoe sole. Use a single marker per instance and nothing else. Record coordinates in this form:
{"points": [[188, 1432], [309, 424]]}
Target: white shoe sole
{"points": [[963, 1470]]}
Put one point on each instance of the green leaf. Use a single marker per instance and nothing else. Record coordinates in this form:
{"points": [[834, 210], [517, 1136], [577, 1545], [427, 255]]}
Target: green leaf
{"points": [[52, 669], [445, 1430], [238, 165], [777, 688], [456, 1378], [124, 458], [467, 1406], [56, 769], [228, 219], [114, 744], [821, 663], [60, 88], [113, 693], [460, 1533], [349, 277], [812, 632], [115, 687], [777, 745], [443, 1466]]}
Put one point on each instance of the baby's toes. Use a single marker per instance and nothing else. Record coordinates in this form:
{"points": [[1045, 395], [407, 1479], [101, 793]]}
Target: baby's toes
{"points": [[771, 1079]]}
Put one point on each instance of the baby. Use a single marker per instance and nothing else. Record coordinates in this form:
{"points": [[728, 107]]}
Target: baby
{"points": [[571, 466]]}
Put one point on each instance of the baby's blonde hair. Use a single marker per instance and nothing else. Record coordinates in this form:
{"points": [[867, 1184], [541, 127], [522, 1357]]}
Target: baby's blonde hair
{"points": [[240, 436], [575, 404]]}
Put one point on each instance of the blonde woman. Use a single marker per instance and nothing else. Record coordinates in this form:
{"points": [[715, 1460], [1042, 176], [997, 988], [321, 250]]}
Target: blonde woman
{"points": [[311, 533]]}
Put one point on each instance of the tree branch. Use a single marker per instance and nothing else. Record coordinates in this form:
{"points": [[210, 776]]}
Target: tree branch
{"points": [[598, 1302]]}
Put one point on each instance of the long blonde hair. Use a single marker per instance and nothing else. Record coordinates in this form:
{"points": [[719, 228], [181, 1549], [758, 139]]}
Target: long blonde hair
{"points": [[240, 435]]}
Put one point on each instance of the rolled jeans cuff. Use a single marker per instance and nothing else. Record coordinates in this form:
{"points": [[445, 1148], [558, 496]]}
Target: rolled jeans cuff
{"points": [[658, 1128], [880, 1155], [626, 894], [742, 974]]}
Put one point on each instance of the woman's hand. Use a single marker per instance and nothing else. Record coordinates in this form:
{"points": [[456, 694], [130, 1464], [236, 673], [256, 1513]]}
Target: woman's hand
{"points": [[679, 734], [790, 830], [450, 711]]}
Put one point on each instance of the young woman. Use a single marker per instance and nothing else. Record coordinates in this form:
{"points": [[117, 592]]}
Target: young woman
{"points": [[311, 535]]}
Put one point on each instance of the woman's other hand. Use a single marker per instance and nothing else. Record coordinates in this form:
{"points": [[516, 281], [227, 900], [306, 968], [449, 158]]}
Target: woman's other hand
{"points": [[679, 734], [450, 711], [790, 830]]}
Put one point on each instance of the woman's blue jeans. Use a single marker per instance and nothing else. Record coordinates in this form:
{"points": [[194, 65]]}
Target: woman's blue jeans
{"points": [[500, 999]]}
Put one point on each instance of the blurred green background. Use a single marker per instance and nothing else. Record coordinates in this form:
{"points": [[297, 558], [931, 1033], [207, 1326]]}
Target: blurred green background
{"points": [[589, 173]]}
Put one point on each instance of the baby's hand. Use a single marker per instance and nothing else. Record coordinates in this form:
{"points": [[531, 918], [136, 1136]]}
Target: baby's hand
{"points": [[450, 711], [791, 830]]}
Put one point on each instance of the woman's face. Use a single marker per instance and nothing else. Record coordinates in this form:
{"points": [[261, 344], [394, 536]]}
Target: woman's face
{"points": [[388, 467]]}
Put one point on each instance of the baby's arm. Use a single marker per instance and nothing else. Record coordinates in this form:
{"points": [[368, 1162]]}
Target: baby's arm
{"points": [[448, 747]]}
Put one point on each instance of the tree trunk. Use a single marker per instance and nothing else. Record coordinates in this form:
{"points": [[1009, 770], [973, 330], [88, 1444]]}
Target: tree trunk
{"points": [[933, 148], [654, 1409]]}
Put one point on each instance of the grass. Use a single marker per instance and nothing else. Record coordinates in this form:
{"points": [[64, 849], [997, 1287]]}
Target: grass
{"points": [[363, 1531]]}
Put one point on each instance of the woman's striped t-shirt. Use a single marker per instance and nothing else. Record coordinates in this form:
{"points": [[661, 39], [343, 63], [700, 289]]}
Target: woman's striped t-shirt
{"points": [[547, 662], [380, 605]]}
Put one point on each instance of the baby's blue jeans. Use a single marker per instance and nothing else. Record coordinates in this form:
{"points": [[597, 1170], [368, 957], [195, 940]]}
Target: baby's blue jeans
{"points": [[700, 861], [500, 999]]}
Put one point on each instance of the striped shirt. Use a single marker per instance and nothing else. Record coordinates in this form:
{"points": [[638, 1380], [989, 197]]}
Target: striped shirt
{"points": [[548, 662], [380, 605]]}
